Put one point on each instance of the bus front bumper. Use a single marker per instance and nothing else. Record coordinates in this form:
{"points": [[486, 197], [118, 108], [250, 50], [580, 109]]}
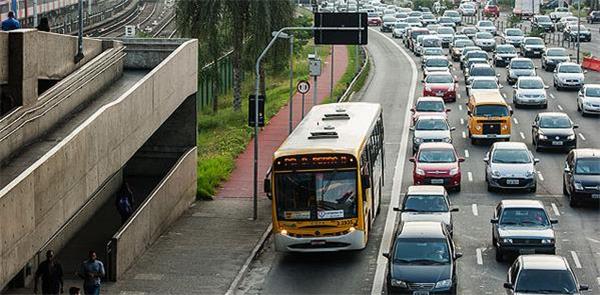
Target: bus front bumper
{"points": [[490, 136], [351, 241]]}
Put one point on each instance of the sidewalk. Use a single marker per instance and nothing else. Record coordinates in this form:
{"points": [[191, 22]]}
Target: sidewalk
{"points": [[270, 138]]}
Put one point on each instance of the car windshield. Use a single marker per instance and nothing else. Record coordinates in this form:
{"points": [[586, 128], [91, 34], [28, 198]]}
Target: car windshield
{"points": [[534, 41], [413, 20], [401, 15], [445, 30], [428, 16], [506, 49], [425, 203], [446, 20], [437, 62], [463, 43], [531, 84], [484, 35], [432, 42], [592, 91], [556, 52], [581, 29], [484, 84], [542, 281], [389, 19], [588, 166], [469, 30], [421, 251], [431, 124], [451, 13], [473, 61], [555, 122], [482, 71], [316, 195], [415, 14], [437, 156], [486, 23], [491, 111], [511, 156], [544, 19], [439, 79], [524, 217], [373, 14], [433, 51], [569, 69], [521, 64], [514, 32], [401, 25]]}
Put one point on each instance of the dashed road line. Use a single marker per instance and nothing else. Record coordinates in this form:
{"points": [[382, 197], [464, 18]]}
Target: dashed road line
{"points": [[598, 279], [560, 107], [504, 95], [555, 209], [466, 153], [593, 240], [552, 95], [460, 107], [470, 176], [458, 96], [515, 120], [522, 135], [582, 137], [464, 134], [479, 256], [576, 259], [474, 209], [462, 121], [540, 176]]}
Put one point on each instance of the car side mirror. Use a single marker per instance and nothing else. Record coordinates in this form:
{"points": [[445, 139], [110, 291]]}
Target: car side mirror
{"points": [[386, 255], [580, 94], [423, 80], [452, 128], [366, 181], [583, 287], [553, 221], [461, 159], [468, 112], [536, 160], [454, 209], [555, 71], [507, 67], [448, 110], [411, 128], [412, 110], [515, 86], [535, 67], [570, 54], [567, 170], [546, 86], [498, 75], [458, 255], [575, 126], [494, 221], [511, 112], [585, 71], [411, 159], [267, 186]]}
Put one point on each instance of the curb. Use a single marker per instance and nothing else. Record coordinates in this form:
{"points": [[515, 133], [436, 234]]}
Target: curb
{"points": [[244, 270], [348, 94]]}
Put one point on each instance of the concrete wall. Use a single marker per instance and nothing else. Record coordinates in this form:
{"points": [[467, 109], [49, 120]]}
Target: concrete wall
{"points": [[142, 56], [166, 203], [3, 57], [40, 200]]}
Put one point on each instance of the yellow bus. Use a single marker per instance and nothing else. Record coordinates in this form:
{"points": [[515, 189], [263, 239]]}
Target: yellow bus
{"points": [[489, 116], [326, 179]]}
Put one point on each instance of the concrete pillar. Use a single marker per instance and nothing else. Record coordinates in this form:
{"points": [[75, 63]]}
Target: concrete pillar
{"points": [[22, 67]]}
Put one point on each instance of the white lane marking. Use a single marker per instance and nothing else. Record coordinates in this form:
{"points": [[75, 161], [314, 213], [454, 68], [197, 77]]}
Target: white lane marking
{"points": [[462, 121], [386, 240], [552, 95], [458, 96], [479, 256], [522, 135], [581, 135], [455, 77], [516, 121], [560, 107], [576, 259], [460, 107], [474, 209], [466, 153], [504, 95], [598, 279], [593, 240], [464, 134], [555, 209], [470, 176], [540, 176]]}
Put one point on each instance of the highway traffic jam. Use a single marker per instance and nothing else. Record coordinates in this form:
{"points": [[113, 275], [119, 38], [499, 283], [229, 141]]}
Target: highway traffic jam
{"points": [[513, 121]]}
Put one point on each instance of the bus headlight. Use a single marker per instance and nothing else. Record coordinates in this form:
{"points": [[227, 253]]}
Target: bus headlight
{"points": [[478, 127], [351, 229], [504, 126], [283, 232], [548, 241], [398, 283]]}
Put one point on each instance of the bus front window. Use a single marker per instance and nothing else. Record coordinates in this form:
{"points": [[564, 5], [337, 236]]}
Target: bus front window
{"points": [[316, 195]]}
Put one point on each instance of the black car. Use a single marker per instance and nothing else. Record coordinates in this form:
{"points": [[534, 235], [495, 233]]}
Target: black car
{"points": [[553, 130], [553, 56], [543, 23], [542, 274], [422, 260], [593, 17], [570, 33], [522, 227], [581, 177]]}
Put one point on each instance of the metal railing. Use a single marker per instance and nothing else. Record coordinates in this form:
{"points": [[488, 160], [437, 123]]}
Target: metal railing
{"points": [[206, 85]]}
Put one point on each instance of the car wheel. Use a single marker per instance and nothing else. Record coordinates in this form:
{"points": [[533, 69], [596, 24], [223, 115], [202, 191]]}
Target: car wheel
{"points": [[565, 192], [499, 255], [489, 187], [545, 106], [457, 189], [533, 189], [572, 202]]}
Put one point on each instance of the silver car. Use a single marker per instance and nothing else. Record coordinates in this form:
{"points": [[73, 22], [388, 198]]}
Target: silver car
{"points": [[446, 34], [430, 129], [510, 165], [399, 29], [486, 26], [530, 91], [519, 67], [485, 40], [568, 75], [512, 36], [588, 100], [532, 46], [436, 64], [427, 203]]}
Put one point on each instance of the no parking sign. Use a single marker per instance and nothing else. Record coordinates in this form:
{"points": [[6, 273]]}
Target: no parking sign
{"points": [[303, 87]]}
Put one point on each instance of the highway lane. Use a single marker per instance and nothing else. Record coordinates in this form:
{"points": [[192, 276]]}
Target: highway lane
{"points": [[479, 273], [346, 272]]}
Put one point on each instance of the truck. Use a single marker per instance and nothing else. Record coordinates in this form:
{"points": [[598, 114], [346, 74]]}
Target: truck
{"points": [[526, 8]]}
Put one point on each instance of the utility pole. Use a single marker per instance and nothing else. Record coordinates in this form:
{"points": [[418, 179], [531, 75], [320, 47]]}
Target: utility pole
{"points": [[578, 26], [35, 18], [79, 55]]}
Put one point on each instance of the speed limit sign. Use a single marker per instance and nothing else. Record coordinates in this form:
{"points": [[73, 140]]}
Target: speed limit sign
{"points": [[303, 87]]}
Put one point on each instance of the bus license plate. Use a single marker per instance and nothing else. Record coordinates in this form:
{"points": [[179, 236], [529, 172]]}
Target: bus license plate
{"points": [[421, 293], [557, 143], [437, 181], [317, 242], [595, 196], [512, 181]]}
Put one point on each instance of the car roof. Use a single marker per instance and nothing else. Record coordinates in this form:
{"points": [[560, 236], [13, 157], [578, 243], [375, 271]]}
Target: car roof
{"points": [[587, 153], [531, 38], [430, 98], [432, 117], [553, 114], [421, 229], [521, 59], [543, 261], [509, 145], [591, 85], [481, 65], [436, 145], [434, 57], [568, 64], [515, 203], [426, 189], [538, 78]]}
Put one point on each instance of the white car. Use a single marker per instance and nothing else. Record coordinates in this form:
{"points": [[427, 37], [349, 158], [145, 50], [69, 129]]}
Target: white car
{"points": [[560, 12], [483, 84], [436, 64], [427, 203], [467, 9], [510, 165], [399, 29], [486, 26], [430, 52], [485, 40], [431, 129], [530, 91], [446, 34], [568, 75], [513, 36], [588, 100]]}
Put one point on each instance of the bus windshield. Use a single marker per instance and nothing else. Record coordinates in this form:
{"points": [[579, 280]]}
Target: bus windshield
{"points": [[491, 111], [316, 195]]}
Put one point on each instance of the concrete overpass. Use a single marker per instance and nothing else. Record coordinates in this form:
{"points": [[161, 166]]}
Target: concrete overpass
{"points": [[71, 132]]}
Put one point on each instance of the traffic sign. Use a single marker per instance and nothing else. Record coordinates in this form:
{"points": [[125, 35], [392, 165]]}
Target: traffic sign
{"points": [[252, 110], [303, 87]]}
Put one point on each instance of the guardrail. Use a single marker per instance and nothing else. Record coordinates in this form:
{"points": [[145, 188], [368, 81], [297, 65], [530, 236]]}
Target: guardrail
{"points": [[348, 94]]}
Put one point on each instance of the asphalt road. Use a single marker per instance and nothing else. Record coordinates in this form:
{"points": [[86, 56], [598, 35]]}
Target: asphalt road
{"points": [[578, 232]]}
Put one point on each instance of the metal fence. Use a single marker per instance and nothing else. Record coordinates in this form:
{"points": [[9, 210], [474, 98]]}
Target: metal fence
{"points": [[204, 96]]}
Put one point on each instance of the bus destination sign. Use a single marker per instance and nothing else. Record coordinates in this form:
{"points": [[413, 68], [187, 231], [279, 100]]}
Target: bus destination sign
{"points": [[315, 161]]}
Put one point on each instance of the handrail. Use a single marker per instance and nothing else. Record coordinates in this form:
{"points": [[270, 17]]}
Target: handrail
{"points": [[345, 97]]}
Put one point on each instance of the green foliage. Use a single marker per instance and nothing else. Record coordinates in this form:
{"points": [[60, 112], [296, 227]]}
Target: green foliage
{"points": [[343, 83], [423, 3], [537, 32], [512, 21]]}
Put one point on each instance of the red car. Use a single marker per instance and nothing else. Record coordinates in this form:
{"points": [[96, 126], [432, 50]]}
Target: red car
{"points": [[429, 105], [373, 19], [491, 10], [437, 163], [441, 85]]}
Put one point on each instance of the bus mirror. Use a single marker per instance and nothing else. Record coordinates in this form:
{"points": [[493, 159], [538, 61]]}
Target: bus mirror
{"points": [[366, 181], [267, 186]]}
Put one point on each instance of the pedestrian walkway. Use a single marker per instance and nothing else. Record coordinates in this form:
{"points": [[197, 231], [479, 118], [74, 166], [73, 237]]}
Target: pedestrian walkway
{"points": [[270, 138]]}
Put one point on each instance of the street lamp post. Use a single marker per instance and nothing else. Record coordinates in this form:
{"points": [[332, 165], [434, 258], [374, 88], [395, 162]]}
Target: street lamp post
{"points": [[578, 26], [79, 55], [291, 102]]}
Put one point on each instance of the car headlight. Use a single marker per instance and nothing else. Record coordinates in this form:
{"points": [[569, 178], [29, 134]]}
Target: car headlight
{"points": [[529, 174], [507, 241], [548, 241], [587, 103], [447, 139], [427, 88], [444, 284], [519, 95], [578, 186], [542, 136], [398, 283], [571, 137], [418, 140], [495, 173], [528, 48], [420, 171], [453, 171]]}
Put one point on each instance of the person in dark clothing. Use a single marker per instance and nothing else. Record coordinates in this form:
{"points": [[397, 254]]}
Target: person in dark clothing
{"points": [[51, 273], [124, 202], [74, 291], [44, 25], [11, 23]]}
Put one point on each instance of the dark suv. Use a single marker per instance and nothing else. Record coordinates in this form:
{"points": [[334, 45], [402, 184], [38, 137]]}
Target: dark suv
{"points": [[422, 260], [553, 130], [581, 177], [522, 227], [542, 274], [593, 17]]}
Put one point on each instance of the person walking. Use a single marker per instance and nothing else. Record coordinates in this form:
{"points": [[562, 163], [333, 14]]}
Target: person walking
{"points": [[51, 273], [44, 25], [92, 271], [11, 23], [124, 202]]}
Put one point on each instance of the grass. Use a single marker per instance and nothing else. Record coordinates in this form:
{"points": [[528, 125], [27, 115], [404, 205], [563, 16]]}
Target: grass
{"points": [[223, 135], [342, 84]]}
